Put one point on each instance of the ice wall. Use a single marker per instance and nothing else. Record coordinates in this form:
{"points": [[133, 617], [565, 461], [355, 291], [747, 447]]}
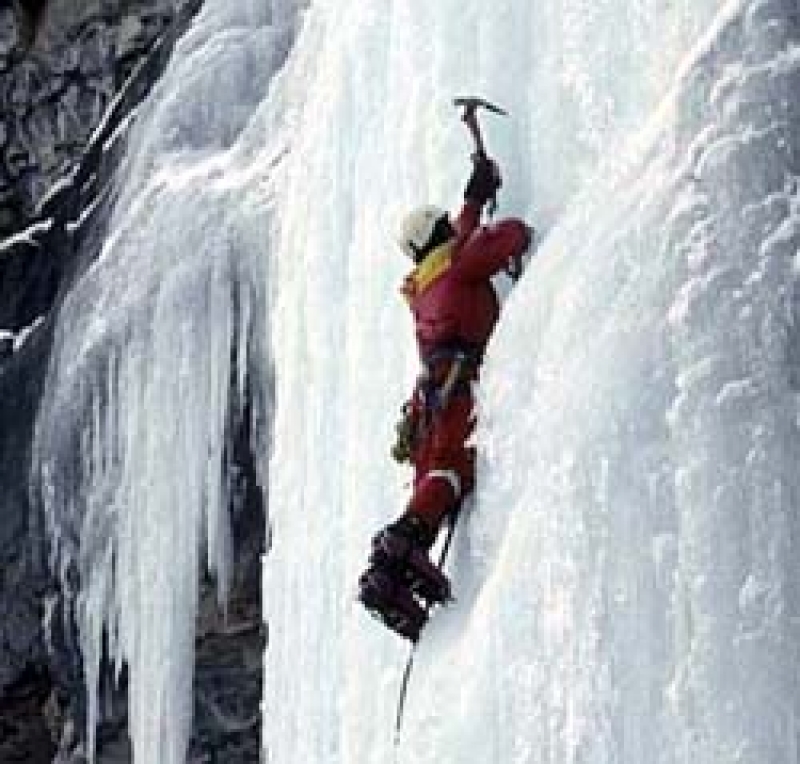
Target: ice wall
{"points": [[625, 579], [158, 346], [637, 527]]}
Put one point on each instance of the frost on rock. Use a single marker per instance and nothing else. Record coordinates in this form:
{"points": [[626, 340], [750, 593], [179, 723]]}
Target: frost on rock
{"points": [[159, 354], [7, 342]]}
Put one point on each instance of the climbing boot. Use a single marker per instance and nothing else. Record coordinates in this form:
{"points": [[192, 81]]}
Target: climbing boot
{"points": [[392, 603], [401, 550]]}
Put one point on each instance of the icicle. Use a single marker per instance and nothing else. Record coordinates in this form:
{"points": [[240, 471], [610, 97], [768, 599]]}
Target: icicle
{"points": [[148, 370]]}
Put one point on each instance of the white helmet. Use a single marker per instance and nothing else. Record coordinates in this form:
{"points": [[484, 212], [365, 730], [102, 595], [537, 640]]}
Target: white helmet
{"points": [[417, 228]]}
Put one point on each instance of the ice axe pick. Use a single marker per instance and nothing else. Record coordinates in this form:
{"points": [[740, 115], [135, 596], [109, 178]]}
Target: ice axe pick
{"points": [[469, 116]]}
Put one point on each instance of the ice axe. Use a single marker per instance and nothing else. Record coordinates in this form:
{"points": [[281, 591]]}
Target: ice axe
{"points": [[471, 104]]}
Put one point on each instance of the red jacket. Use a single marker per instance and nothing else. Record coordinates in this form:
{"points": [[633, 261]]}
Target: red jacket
{"points": [[450, 291]]}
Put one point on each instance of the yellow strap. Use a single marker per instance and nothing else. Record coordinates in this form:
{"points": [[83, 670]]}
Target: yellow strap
{"points": [[433, 266]]}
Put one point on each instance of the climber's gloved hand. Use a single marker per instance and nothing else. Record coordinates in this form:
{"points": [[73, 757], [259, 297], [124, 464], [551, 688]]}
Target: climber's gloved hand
{"points": [[530, 232], [484, 181]]}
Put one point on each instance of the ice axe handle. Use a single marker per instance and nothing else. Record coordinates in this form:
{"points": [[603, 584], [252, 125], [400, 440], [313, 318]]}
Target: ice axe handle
{"points": [[471, 105], [471, 120]]}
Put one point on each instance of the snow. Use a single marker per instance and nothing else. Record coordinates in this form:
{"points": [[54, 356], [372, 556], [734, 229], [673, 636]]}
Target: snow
{"points": [[28, 236], [86, 214], [626, 573], [26, 332], [58, 188], [6, 343]]}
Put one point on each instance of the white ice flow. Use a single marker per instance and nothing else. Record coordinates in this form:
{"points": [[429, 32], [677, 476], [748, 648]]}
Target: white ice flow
{"points": [[626, 575], [154, 348], [626, 578]]}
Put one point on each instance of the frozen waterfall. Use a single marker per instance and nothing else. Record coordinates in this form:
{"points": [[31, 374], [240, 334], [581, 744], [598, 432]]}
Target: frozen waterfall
{"points": [[160, 349], [626, 576]]}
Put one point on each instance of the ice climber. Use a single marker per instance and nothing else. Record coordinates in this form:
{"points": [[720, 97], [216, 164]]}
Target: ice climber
{"points": [[455, 309]]}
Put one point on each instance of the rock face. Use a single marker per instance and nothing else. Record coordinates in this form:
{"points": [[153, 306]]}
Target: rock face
{"points": [[70, 75], [23, 663], [61, 64]]}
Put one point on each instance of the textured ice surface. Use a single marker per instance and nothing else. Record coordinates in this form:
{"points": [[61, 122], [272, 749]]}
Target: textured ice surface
{"points": [[626, 574], [625, 579], [153, 350]]}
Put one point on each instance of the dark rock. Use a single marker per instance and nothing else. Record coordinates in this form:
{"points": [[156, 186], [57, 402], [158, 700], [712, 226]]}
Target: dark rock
{"points": [[29, 276], [6, 344], [61, 64], [24, 734], [22, 553]]}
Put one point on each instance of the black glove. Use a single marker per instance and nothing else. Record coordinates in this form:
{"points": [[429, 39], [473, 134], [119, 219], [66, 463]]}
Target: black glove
{"points": [[516, 265], [531, 231], [484, 181]]}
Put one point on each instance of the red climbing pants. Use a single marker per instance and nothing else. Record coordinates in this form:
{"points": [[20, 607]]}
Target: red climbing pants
{"points": [[444, 466]]}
